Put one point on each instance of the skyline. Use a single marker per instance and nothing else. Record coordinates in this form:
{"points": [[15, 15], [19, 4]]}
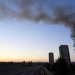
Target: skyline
{"points": [[26, 40]]}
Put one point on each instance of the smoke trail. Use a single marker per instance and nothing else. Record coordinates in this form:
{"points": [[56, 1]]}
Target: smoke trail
{"points": [[34, 10], [66, 15], [6, 12]]}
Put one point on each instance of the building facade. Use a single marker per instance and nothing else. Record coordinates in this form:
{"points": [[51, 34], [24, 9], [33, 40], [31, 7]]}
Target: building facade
{"points": [[51, 58], [64, 53]]}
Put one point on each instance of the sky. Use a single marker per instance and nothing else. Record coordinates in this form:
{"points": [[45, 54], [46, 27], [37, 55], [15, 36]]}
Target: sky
{"points": [[30, 29]]}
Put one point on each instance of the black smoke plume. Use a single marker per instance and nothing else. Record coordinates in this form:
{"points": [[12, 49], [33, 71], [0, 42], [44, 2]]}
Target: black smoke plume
{"points": [[39, 10]]}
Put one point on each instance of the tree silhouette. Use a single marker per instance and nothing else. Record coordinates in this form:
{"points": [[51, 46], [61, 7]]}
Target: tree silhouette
{"points": [[60, 66]]}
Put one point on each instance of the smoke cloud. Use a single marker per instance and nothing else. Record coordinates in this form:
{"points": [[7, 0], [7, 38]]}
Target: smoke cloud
{"points": [[34, 10]]}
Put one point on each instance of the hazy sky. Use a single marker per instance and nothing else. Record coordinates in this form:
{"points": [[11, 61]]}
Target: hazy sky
{"points": [[30, 29]]}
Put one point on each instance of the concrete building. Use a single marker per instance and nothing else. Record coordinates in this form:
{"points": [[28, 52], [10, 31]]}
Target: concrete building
{"points": [[64, 53], [51, 58]]}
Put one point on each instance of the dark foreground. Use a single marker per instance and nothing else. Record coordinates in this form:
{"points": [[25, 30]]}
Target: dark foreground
{"points": [[33, 70]]}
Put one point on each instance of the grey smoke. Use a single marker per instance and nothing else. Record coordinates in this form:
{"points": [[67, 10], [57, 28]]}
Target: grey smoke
{"points": [[6, 12], [33, 10]]}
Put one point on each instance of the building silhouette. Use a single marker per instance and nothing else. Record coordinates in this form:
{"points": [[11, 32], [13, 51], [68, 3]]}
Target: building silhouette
{"points": [[51, 58], [64, 53]]}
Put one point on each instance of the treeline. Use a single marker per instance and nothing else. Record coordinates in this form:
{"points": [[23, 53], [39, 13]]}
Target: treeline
{"points": [[60, 67]]}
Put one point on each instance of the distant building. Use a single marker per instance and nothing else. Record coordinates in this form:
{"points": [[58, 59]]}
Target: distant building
{"points": [[64, 53], [51, 58]]}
